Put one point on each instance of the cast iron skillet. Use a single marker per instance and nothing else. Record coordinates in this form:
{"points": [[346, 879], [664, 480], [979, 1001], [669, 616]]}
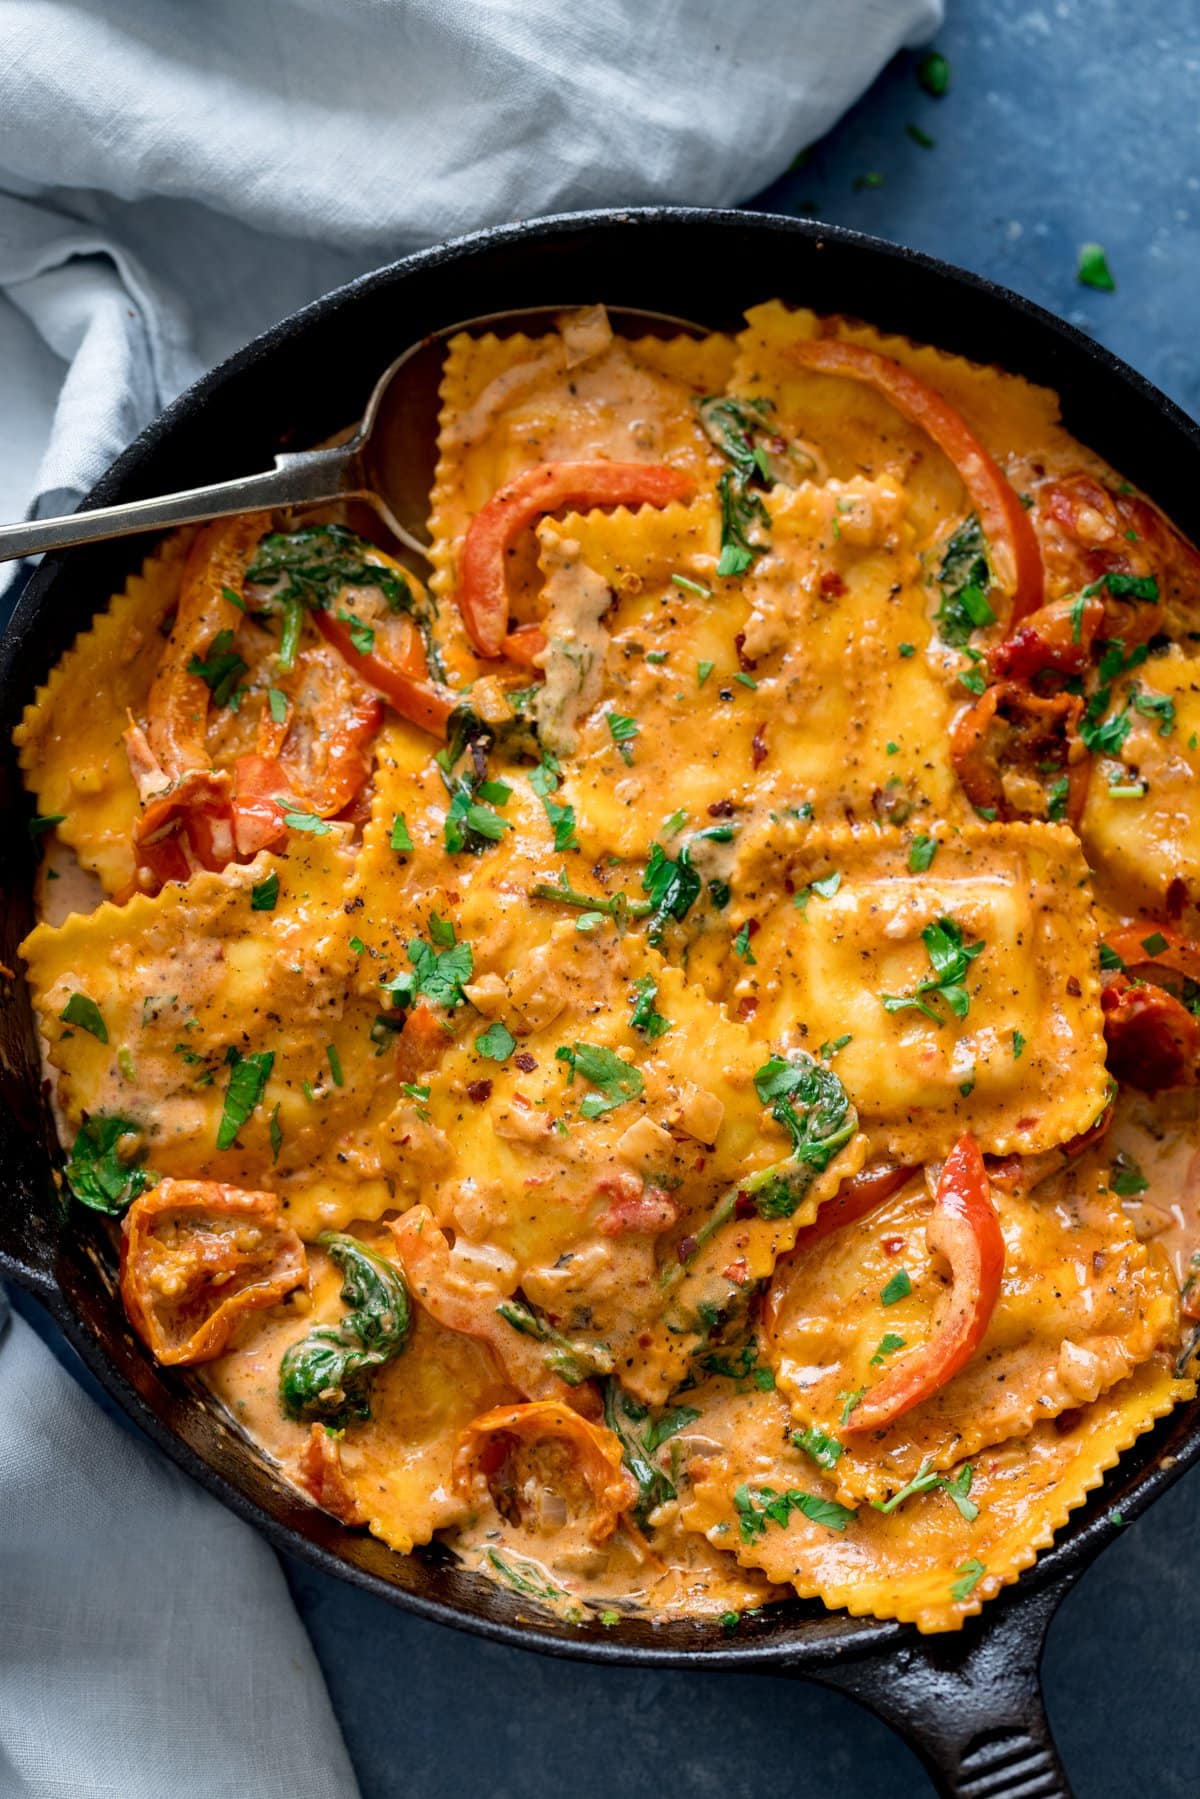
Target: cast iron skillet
{"points": [[969, 1702]]}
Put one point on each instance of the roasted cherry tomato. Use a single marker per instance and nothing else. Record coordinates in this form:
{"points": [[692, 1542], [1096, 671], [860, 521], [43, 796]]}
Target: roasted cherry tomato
{"points": [[1011, 537], [965, 1229], [196, 1256], [1153, 1040], [550, 487], [319, 1471], [1010, 748], [538, 1444], [1056, 639]]}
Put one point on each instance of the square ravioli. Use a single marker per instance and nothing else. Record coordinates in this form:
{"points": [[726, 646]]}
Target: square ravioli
{"points": [[952, 974], [691, 692]]}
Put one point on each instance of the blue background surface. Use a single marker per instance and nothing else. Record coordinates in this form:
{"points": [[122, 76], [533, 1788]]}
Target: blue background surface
{"points": [[1066, 122]]}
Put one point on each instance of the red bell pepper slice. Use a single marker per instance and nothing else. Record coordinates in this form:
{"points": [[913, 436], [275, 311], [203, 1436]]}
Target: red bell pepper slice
{"points": [[550, 487], [965, 1229], [1005, 522], [405, 683], [861, 1194]]}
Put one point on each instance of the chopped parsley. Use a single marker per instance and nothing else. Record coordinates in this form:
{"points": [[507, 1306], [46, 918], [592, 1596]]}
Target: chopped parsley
{"points": [[1018, 1044], [248, 1077], [969, 1574], [703, 671], [362, 636], [1056, 799], [98, 1174], [623, 730], [898, 1287], [920, 137], [921, 852], [1092, 269], [696, 587], [1154, 944], [497, 1043], [264, 894], [438, 975], [400, 839], [964, 578], [306, 821], [824, 1450], [957, 1487], [221, 670], [933, 73], [834, 1045], [615, 1081], [851, 1400], [741, 946], [1126, 1178], [278, 702], [889, 1343], [46, 821], [951, 958], [645, 1017], [756, 1511], [84, 1013], [335, 1064]]}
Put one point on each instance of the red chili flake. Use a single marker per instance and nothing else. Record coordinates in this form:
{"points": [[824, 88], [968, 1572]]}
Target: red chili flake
{"points": [[686, 1249], [831, 584], [478, 1091], [892, 1246], [745, 663], [1098, 1260], [721, 809], [752, 927], [1073, 987], [743, 1206], [747, 1007], [758, 748], [738, 1272], [525, 1062]]}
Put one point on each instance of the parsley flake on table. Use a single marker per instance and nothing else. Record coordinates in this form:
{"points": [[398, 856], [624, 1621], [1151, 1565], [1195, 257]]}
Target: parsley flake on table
{"points": [[1092, 269]]}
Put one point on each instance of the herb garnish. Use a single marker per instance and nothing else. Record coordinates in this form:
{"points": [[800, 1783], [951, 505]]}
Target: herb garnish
{"points": [[97, 1173], [673, 888], [1127, 1178], [899, 1286], [623, 730], [645, 1016], [264, 893], [327, 1375], [84, 1013], [640, 1436], [951, 958], [889, 1343], [497, 1043], [221, 670], [1093, 269], [957, 1487], [617, 1080], [964, 578], [824, 1450], [970, 1574], [438, 975], [756, 1511], [247, 1082], [825, 1121]]}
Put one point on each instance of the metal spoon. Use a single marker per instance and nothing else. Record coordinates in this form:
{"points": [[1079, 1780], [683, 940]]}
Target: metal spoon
{"points": [[388, 462]]}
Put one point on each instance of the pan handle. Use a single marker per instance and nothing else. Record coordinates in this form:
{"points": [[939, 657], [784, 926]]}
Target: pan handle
{"points": [[970, 1703]]}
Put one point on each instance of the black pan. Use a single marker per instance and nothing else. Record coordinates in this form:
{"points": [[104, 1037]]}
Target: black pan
{"points": [[968, 1702]]}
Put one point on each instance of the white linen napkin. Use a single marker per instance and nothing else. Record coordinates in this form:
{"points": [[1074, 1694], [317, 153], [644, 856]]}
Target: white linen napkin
{"points": [[173, 178], [148, 1644]]}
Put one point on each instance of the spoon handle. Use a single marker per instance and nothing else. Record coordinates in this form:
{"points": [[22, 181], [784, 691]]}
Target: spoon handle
{"points": [[300, 479]]}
